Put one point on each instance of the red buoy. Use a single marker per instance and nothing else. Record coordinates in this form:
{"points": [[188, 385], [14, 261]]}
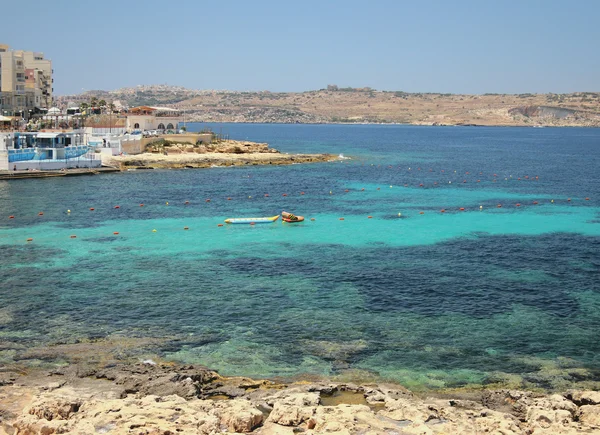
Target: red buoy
{"points": [[285, 194], [141, 205], [187, 202], [341, 219], [228, 199], [499, 206], [208, 200], [266, 195], [11, 217], [370, 217], [219, 225], [421, 212], [115, 233], [518, 205], [587, 199], [443, 211], [41, 213], [116, 206], [92, 209], [462, 209], [535, 202]]}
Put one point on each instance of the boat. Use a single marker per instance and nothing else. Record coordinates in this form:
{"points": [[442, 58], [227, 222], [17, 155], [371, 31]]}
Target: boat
{"points": [[290, 217], [252, 220]]}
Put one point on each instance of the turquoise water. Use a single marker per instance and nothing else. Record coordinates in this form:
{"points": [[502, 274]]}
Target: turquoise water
{"points": [[486, 295]]}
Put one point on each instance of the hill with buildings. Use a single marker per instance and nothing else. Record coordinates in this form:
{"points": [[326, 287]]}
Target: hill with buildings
{"points": [[363, 105]]}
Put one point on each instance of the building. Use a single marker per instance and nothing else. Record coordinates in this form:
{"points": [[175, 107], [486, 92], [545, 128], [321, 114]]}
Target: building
{"points": [[144, 118], [25, 82]]}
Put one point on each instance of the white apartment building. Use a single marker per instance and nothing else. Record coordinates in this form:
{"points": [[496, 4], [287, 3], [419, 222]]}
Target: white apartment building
{"points": [[25, 82]]}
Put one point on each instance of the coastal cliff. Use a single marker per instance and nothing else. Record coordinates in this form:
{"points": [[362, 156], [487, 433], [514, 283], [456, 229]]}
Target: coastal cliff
{"points": [[163, 398]]}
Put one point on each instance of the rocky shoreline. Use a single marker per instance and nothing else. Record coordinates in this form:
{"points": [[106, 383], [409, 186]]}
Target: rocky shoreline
{"points": [[164, 398], [223, 153]]}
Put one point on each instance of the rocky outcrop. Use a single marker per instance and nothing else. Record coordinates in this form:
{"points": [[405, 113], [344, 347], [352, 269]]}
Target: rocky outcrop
{"points": [[150, 398]]}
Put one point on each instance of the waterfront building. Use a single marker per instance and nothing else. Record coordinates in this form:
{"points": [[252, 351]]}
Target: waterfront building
{"points": [[145, 118], [25, 82], [46, 150]]}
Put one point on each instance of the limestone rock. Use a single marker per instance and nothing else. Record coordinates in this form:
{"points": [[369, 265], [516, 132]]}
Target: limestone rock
{"points": [[590, 415]]}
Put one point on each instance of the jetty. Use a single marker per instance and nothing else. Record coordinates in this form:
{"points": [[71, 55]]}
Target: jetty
{"points": [[17, 175]]}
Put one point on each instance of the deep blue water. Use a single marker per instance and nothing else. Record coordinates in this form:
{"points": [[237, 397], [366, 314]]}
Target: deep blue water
{"points": [[486, 295]]}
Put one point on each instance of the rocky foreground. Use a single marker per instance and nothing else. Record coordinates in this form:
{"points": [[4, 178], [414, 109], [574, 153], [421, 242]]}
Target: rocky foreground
{"points": [[224, 153], [150, 398]]}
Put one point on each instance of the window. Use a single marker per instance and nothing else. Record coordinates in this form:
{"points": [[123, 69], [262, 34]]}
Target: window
{"points": [[136, 125], [161, 126], [170, 126]]}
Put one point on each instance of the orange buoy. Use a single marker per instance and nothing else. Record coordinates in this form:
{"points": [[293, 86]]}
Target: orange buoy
{"points": [[219, 225], [208, 200], [495, 175], [312, 219], [285, 194], [587, 199], [116, 206], [341, 219], [73, 236], [518, 205], [228, 199], [462, 209], [421, 185], [443, 211], [187, 202], [435, 183], [141, 205], [92, 209], [466, 173], [378, 188], [479, 181], [535, 202], [370, 217], [519, 178], [346, 190], [499, 206], [115, 233], [362, 190], [11, 217], [30, 239], [301, 193], [41, 213], [186, 228], [266, 195], [251, 223], [421, 212], [527, 176]]}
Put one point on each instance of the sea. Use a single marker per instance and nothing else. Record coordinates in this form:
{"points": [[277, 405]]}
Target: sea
{"points": [[432, 257]]}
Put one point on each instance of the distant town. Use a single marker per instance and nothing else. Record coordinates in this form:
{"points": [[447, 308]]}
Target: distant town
{"points": [[41, 130]]}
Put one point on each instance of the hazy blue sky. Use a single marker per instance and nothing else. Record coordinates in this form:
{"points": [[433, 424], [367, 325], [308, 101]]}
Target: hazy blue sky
{"points": [[418, 46]]}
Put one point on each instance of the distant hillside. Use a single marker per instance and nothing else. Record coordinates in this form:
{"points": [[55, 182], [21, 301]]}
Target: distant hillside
{"points": [[365, 105]]}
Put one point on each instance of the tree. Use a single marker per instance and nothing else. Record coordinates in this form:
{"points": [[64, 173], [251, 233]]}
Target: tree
{"points": [[93, 102], [102, 105]]}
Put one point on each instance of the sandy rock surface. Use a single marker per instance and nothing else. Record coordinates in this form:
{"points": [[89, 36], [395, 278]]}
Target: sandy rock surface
{"points": [[149, 398]]}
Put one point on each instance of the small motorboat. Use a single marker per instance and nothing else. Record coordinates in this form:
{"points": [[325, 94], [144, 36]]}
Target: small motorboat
{"points": [[252, 220], [290, 217]]}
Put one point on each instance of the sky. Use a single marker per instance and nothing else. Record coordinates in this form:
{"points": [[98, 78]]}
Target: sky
{"points": [[453, 46]]}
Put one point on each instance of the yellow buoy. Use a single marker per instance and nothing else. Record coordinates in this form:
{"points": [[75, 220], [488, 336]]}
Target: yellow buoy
{"points": [[167, 202], [68, 211], [399, 214], [153, 231], [552, 201], [390, 186]]}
